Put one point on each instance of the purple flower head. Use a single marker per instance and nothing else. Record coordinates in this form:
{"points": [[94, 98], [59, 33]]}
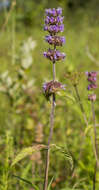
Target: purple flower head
{"points": [[53, 29], [92, 86], [92, 79], [54, 55], [53, 20], [55, 40], [51, 87], [53, 12], [54, 25], [91, 74], [92, 97]]}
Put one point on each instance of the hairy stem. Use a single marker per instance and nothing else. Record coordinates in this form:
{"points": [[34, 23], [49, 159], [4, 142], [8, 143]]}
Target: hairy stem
{"points": [[50, 135]]}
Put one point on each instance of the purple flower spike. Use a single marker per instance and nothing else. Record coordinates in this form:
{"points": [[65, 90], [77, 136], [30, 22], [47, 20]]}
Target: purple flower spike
{"points": [[53, 25], [92, 78]]}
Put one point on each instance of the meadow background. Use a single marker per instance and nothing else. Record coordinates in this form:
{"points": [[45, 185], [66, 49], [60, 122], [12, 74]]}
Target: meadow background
{"points": [[24, 111]]}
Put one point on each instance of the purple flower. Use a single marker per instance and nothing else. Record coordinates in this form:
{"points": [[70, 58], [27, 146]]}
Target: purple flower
{"points": [[45, 27], [54, 55], [92, 97], [91, 74], [92, 78], [53, 29], [51, 87], [54, 20], [59, 11], [92, 86], [55, 40], [53, 12], [61, 28]]}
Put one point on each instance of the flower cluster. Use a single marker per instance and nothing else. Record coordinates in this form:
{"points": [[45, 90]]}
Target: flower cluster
{"points": [[54, 20], [53, 29], [55, 40], [54, 55], [92, 97], [53, 12], [92, 78], [54, 25], [51, 87]]}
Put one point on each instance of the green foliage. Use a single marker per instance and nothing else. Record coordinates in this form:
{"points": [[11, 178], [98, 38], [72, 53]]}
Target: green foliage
{"points": [[26, 152]]}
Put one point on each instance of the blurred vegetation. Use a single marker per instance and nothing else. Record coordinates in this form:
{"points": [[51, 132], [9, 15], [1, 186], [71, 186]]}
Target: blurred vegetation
{"points": [[24, 111]]}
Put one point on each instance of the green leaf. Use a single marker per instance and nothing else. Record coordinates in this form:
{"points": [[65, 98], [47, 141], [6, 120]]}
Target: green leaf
{"points": [[50, 183], [26, 152], [65, 153], [26, 181]]}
